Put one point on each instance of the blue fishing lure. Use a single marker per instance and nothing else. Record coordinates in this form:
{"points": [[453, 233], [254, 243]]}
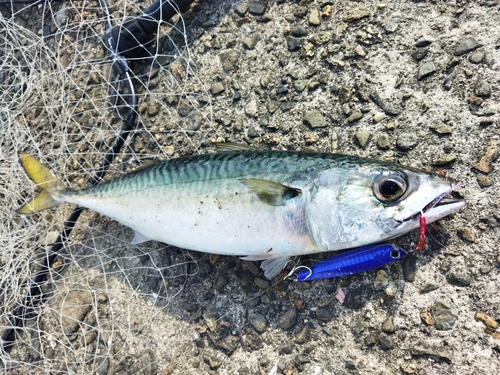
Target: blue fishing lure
{"points": [[354, 261]]}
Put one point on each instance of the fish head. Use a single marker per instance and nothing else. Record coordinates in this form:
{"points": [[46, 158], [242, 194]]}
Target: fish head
{"points": [[374, 202]]}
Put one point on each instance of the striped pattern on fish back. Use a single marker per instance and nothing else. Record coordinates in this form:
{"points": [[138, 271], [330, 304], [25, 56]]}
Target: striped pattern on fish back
{"points": [[284, 166]]}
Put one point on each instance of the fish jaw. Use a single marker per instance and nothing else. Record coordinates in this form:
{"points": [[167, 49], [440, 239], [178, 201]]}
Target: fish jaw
{"points": [[433, 214]]}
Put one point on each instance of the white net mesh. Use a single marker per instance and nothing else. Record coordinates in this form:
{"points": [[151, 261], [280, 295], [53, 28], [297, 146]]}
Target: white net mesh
{"points": [[62, 101]]}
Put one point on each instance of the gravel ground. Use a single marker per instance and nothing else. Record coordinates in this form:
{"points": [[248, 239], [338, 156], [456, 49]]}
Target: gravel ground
{"points": [[415, 82]]}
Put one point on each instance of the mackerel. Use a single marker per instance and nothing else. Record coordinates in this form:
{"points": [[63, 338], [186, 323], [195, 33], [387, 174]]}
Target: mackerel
{"points": [[259, 204]]}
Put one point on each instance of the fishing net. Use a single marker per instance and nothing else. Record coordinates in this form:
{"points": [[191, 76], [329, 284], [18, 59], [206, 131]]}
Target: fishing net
{"points": [[62, 101]]}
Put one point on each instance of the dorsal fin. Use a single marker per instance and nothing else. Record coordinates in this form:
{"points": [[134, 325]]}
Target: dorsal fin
{"points": [[146, 163], [270, 192], [232, 146]]}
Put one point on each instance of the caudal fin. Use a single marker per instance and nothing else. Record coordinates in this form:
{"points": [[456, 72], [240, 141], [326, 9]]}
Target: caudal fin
{"points": [[45, 180]]}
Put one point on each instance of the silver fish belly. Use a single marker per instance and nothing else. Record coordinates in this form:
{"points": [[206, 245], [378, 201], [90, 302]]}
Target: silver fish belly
{"points": [[264, 205]]}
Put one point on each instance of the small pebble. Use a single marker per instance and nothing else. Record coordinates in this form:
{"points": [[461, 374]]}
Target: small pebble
{"points": [[299, 31], [363, 138], [426, 69], [381, 280], [426, 317], [475, 100], [262, 283], [441, 128], [484, 164], [467, 46], [289, 319], [293, 43], [314, 19], [388, 325], [259, 322], [241, 9], [445, 159], [372, 338], [476, 58], [444, 319], [419, 54], [386, 342], [313, 85], [257, 8], [355, 116], [216, 88], [486, 122], [152, 108], [458, 278], [390, 126], [212, 361], [251, 108], [486, 319], [253, 130], [482, 89], [311, 138], [406, 141], [168, 150], [315, 119], [383, 142], [300, 85], [345, 94], [390, 27], [428, 349], [448, 82], [357, 14], [334, 141], [488, 59], [409, 267], [220, 282], [326, 301], [250, 41], [467, 234], [323, 314], [379, 116], [359, 51], [423, 43], [484, 181], [388, 110]]}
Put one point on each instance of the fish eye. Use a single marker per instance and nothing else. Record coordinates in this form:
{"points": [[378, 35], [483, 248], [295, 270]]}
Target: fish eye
{"points": [[389, 187], [394, 254]]}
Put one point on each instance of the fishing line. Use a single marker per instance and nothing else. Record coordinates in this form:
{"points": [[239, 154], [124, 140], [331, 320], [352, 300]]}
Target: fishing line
{"points": [[62, 99], [35, 288]]}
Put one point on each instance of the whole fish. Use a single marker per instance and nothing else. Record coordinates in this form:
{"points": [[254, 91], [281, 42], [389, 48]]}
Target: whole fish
{"points": [[260, 204], [351, 262]]}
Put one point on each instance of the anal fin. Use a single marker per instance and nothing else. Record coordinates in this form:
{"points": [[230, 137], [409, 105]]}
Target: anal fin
{"points": [[272, 267], [139, 238]]}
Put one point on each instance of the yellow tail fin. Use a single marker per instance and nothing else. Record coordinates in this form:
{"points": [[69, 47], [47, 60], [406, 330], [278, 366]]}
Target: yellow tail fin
{"points": [[45, 180]]}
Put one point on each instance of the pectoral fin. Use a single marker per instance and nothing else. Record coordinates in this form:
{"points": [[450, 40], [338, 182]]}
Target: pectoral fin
{"points": [[270, 192]]}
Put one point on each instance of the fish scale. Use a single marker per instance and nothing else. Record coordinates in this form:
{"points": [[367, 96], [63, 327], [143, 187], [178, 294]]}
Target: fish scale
{"points": [[259, 204]]}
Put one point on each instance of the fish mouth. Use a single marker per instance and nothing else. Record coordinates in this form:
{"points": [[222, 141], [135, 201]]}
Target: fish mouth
{"points": [[435, 210]]}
